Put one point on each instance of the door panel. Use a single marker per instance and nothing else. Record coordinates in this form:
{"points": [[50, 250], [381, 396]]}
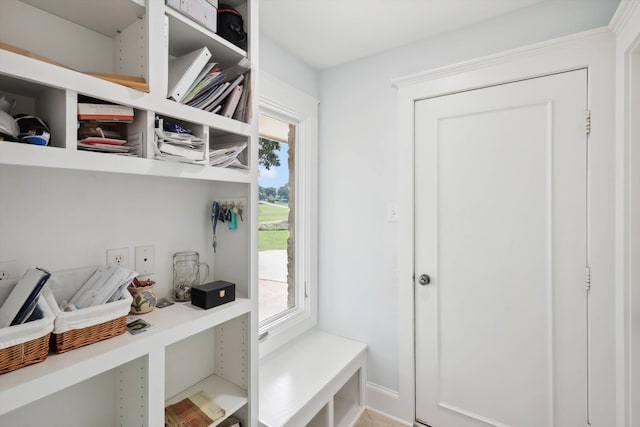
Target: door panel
{"points": [[501, 331]]}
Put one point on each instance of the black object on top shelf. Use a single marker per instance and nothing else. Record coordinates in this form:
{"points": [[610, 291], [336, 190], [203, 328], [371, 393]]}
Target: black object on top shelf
{"points": [[231, 26]]}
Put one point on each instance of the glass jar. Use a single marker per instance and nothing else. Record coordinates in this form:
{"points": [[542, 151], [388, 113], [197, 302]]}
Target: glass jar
{"points": [[187, 273]]}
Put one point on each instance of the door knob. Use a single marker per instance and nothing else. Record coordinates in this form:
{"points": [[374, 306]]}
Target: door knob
{"points": [[424, 279]]}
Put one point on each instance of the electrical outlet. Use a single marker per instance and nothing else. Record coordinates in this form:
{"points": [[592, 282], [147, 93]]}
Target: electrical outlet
{"points": [[119, 257], [9, 270], [145, 260]]}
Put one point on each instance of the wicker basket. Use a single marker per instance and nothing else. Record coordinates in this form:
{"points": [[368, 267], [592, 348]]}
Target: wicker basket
{"points": [[21, 355], [86, 326], [80, 337], [25, 344]]}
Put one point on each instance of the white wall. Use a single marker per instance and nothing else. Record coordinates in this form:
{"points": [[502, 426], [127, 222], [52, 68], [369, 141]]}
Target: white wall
{"points": [[288, 68], [59, 219], [358, 171]]}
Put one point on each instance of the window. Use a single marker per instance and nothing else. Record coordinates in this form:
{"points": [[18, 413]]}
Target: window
{"points": [[276, 218], [287, 235]]}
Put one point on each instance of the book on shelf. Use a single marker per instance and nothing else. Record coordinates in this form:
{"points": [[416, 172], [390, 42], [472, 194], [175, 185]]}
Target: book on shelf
{"points": [[231, 103], [213, 87], [207, 98], [205, 87], [197, 410], [242, 109], [23, 297], [225, 93], [105, 112], [203, 77], [184, 70]]}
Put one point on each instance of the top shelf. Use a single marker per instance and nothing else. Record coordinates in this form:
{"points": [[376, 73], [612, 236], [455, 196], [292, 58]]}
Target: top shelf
{"points": [[104, 17], [185, 34]]}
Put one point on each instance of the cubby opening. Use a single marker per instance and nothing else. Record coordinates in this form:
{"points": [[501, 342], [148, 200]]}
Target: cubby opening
{"points": [[108, 133], [346, 402], [106, 399], [186, 35], [179, 141], [228, 150], [320, 420], [214, 361], [47, 103], [107, 37]]}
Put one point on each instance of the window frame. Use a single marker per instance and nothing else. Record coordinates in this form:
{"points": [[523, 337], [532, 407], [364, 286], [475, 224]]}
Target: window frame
{"points": [[283, 102]]}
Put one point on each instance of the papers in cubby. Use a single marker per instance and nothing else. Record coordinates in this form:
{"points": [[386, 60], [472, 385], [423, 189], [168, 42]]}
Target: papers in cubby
{"points": [[180, 147], [125, 147], [227, 155]]}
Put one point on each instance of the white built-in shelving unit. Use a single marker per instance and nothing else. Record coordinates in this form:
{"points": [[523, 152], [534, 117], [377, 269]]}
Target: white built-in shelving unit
{"points": [[128, 380]]}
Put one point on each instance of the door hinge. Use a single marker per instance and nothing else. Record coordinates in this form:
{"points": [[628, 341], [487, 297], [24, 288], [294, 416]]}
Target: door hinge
{"points": [[306, 290], [587, 117], [588, 278]]}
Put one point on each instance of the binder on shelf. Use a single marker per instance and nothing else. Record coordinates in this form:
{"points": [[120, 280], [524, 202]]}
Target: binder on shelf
{"points": [[23, 298], [203, 74], [224, 94], [206, 98], [184, 70], [245, 99], [231, 103]]}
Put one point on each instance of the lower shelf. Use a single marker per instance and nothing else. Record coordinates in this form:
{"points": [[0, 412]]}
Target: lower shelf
{"points": [[118, 381], [229, 396]]}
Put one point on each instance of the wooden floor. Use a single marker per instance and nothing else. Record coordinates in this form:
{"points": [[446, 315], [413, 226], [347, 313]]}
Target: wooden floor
{"points": [[373, 419]]}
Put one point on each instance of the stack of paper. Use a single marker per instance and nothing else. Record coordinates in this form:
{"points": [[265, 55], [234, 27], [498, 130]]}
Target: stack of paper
{"points": [[102, 128], [125, 147], [215, 90], [182, 147], [227, 155], [106, 284]]}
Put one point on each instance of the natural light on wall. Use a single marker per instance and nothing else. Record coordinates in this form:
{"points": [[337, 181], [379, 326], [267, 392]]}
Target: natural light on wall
{"points": [[276, 213]]}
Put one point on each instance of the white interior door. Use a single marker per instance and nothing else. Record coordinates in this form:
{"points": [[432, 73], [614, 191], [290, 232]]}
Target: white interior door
{"points": [[501, 220]]}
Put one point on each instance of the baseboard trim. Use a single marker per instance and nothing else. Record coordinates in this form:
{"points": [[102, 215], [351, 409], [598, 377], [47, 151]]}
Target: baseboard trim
{"points": [[385, 401], [391, 417]]}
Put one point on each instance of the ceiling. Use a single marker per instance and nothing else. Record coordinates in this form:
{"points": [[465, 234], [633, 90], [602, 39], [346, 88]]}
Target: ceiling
{"points": [[325, 33]]}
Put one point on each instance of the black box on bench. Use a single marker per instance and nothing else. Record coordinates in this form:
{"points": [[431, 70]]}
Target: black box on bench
{"points": [[213, 294]]}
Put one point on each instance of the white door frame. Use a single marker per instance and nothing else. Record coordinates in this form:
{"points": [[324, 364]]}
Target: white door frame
{"points": [[625, 24], [593, 50]]}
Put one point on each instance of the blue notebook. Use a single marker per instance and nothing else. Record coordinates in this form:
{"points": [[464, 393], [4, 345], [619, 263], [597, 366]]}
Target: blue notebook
{"points": [[23, 298]]}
